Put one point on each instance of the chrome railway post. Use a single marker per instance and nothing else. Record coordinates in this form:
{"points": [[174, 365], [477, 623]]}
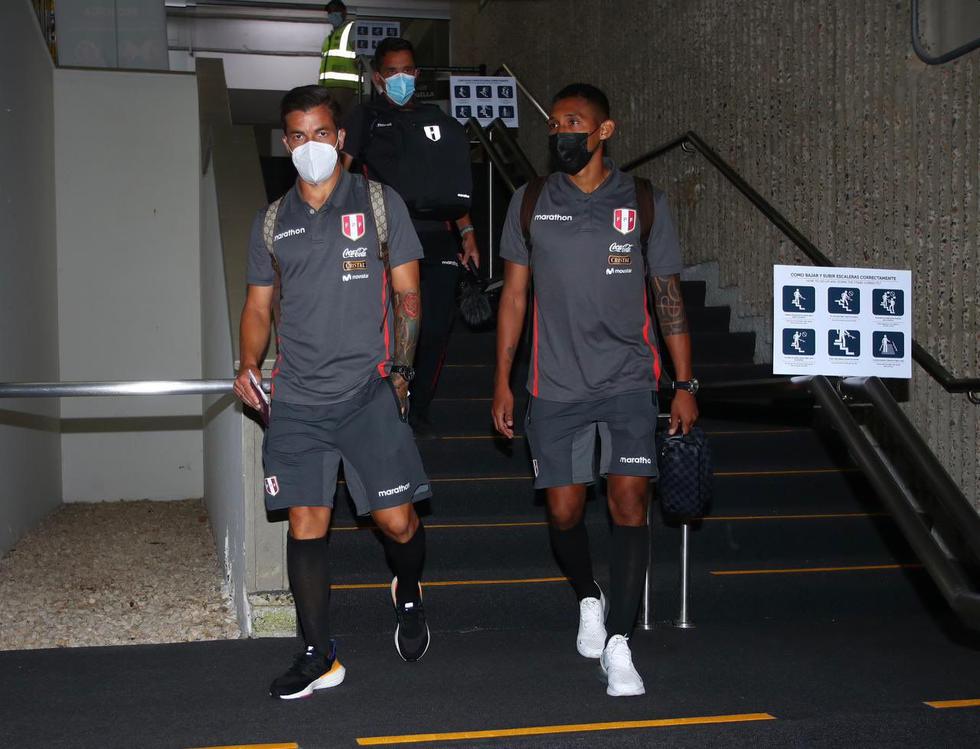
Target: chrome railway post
{"points": [[682, 621]]}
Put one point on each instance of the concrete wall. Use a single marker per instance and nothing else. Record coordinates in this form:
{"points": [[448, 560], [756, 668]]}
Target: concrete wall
{"points": [[824, 108], [224, 473], [30, 447], [128, 162]]}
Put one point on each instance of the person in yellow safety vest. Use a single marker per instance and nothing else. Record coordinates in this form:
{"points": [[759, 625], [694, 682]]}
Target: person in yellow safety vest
{"points": [[338, 63]]}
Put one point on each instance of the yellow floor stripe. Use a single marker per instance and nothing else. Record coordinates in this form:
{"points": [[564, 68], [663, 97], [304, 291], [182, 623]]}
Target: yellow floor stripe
{"points": [[290, 745], [944, 704], [801, 570], [822, 516], [572, 728], [539, 523], [454, 583]]}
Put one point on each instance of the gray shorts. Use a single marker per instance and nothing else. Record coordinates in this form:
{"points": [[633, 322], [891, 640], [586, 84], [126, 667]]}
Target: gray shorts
{"points": [[562, 437], [304, 445]]}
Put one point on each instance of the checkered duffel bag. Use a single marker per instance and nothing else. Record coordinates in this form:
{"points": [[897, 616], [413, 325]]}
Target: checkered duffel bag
{"points": [[686, 472]]}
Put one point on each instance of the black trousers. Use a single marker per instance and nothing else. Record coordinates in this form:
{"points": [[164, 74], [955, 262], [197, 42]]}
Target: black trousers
{"points": [[438, 289]]}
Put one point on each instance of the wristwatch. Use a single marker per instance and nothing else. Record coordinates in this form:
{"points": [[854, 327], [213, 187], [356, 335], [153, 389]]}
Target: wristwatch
{"points": [[692, 386], [404, 370]]}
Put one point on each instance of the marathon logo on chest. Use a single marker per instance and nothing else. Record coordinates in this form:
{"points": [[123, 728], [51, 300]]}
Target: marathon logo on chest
{"points": [[352, 225], [624, 220], [289, 233]]}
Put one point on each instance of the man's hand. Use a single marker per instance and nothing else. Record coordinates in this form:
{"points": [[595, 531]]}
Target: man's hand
{"points": [[502, 411], [683, 412], [243, 387], [401, 390], [470, 253]]}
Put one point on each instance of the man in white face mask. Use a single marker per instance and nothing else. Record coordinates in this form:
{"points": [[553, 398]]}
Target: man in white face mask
{"points": [[346, 337]]}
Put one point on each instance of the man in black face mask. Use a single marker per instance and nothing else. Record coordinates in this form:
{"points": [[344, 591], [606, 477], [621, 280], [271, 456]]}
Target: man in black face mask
{"points": [[594, 363]]}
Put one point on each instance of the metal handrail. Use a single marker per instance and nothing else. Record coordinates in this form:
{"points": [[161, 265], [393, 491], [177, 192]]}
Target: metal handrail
{"points": [[949, 577], [119, 387], [946, 379], [523, 89], [925, 56]]}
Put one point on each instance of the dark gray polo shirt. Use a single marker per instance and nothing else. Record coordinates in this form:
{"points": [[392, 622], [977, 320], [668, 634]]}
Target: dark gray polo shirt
{"points": [[592, 336], [330, 338]]}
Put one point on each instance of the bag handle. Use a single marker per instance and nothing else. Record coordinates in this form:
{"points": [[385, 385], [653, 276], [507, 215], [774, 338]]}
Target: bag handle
{"points": [[379, 211], [532, 192], [268, 234]]}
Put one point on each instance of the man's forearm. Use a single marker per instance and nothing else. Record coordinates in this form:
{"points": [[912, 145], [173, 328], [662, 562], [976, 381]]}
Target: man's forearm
{"points": [[408, 317], [253, 338], [510, 322], [669, 306]]}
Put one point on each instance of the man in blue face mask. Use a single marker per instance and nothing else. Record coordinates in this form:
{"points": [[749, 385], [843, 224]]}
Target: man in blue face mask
{"points": [[384, 139]]}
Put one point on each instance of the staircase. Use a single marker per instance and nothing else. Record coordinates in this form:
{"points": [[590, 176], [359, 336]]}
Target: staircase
{"points": [[785, 499]]}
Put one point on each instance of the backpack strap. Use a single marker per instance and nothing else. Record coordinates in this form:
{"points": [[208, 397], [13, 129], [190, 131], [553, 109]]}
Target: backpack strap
{"points": [[645, 207], [268, 234], [379, 210], [532, 191]]}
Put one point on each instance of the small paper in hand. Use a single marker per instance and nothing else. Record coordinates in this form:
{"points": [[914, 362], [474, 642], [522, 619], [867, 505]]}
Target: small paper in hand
{"points": [[265, 405]]}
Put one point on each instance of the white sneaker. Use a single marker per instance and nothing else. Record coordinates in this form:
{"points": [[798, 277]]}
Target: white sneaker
{"points": [[622, 680], [591, 626]]}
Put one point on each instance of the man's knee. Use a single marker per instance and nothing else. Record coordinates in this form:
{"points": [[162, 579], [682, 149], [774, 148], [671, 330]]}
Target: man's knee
{"points": [[628, 503], [398, 523], [308, 522], [566, 505]]}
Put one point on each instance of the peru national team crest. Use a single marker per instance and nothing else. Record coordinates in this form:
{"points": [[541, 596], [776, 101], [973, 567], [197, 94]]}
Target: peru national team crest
{"points": [[271, 485], [352, 225], [624, 220]]}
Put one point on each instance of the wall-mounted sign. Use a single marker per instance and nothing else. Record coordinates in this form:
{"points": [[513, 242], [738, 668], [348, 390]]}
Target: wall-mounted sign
{"points": [[842, 321], [483, 97], [369, 34]]}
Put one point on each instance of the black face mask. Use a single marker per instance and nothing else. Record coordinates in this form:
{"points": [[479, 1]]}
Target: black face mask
{"points": [[570, 151]]}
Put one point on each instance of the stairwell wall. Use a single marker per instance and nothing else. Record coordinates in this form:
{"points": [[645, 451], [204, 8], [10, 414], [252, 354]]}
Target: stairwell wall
{"points": [[127, 147], [30, 445], [824, 108]]}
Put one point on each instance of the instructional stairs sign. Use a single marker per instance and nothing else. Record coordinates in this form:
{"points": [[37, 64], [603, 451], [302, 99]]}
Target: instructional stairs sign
{"points": [[842, 321], [484, 97]]}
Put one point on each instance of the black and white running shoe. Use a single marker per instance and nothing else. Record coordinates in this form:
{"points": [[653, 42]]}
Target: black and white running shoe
{"points": [[412, 631], [312, 670]]}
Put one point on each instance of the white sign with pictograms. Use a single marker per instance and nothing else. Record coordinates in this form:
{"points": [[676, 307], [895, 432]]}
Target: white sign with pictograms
{"points": [[484, 97], [842, 321], [369, 34]]}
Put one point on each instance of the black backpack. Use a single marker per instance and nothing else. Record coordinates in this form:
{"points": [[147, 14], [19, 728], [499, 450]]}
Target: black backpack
{"points": [[425, 155]]}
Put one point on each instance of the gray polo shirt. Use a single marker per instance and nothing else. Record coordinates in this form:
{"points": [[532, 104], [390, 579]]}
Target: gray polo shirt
{"points": [[330, 338], [592, 336]]}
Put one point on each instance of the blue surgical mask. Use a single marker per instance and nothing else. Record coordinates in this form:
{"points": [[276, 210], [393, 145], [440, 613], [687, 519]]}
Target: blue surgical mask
{"points": [[335, 19], [400, 88]]}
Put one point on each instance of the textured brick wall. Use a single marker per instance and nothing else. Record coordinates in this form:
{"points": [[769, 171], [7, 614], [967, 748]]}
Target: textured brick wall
{"points": [[823, 107]]}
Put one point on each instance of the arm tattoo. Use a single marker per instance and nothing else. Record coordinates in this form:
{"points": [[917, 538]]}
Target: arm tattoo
{"points": [[669, 304], [407, 314], [510, 351]]}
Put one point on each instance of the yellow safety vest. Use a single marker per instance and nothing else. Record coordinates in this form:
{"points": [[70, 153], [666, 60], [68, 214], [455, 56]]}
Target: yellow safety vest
{"points": [[338, 64]]}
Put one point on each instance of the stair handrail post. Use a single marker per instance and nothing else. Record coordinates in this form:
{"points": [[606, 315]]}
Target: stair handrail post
{"points": [[683, 620], [646, 604]]}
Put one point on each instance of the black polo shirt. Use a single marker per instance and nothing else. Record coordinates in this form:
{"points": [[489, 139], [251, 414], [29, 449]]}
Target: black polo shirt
{"points": [[437, 237], [331, 341], [592, 336]]}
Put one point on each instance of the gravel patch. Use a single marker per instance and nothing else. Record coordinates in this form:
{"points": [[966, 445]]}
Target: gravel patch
{"points": [[115, 573]]}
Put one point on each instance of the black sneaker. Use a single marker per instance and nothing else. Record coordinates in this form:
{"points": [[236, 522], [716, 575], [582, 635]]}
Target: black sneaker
{"points": [[310, 671], [412, 632]]}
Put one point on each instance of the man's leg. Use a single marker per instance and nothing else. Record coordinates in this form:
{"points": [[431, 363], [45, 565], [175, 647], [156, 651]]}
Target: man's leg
{"points": [[438, 291], [630, 552], [404, 539], [569, 537], [628, 499], [309, 573], [309, 579]]}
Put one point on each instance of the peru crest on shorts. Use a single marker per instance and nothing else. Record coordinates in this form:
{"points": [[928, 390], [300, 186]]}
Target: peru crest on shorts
{"points": [[352, 225], [624, 220], [271, 486]]}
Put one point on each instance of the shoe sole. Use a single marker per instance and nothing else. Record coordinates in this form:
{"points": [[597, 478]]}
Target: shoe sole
{"points": [[613, 692], [428, 633], [334, 677]]}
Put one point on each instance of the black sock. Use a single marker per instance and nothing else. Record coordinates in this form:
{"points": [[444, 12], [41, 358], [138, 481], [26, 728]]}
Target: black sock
{"points": [[571, 548], [406, 562], [627, 572], [309, 579]]}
